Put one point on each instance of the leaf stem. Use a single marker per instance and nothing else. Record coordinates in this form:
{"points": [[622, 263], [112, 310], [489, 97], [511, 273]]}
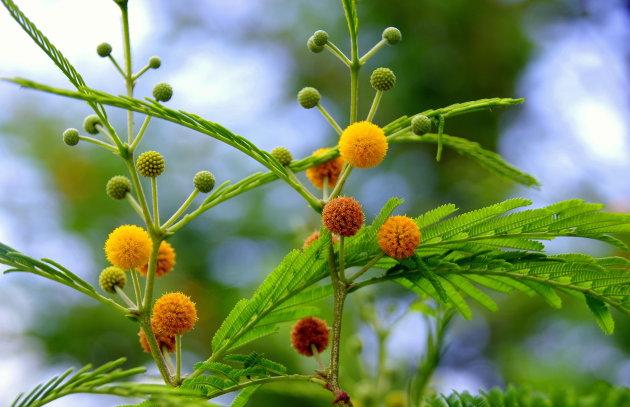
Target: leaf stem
{"points": [[129, 82], [345, 172], [157, 355], [134, 205]]}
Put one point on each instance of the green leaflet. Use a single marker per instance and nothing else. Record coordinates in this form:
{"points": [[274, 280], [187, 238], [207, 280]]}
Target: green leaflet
{"points": [[602, 314], [244, 396]]}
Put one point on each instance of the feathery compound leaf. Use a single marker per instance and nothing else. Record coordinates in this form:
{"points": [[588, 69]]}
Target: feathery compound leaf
{"points": [[244, 395], [602, 314]]}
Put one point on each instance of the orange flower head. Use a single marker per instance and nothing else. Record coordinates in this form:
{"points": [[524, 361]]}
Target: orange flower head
{"points": [[330, 169], [309, 331], [399, 237], [128, 247], [363, 144], [313, 238], [164, 342], [165, 261], [173, 314], [343, 216]]}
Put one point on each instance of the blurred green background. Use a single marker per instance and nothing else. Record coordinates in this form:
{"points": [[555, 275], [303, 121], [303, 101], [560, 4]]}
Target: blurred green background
{"points": [[241, 64]]}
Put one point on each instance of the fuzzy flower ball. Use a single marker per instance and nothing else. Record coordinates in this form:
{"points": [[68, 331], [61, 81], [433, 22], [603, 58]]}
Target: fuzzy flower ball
{"points": [[174, 314], [309, 331], [283, 155], [128, 247], [162, 92], [164, 342], [90, 123], [383, 79], [308, 97], [399, 237], [150, 164], [363, 144], [330, 169], [165, 261], [314, 237], [110, 278], [343, 216], [104, 50], [204, 181]]}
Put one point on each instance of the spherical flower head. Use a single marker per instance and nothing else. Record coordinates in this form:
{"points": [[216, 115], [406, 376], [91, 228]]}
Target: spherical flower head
{"points": [[320, 38], [399, 237], [383, 79], [165, 261], [162, 92], [343, 216], [104, 49], [420, 124], [363, 144], [330, 169], [150, 164], [71, 137], [155, 62], [110, 278], [204, 181], [309, 331], [308, 97], [283, 155], [314, 47], [174, 314], [118, 187], [128, 247], [164, 342], [313, 237], [90, 122], [392, 35]]}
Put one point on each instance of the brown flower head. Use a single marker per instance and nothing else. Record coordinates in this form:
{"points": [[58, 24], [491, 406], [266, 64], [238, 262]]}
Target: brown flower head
{"points": [[343, 216], [399, 237], [313, 238], [173, 314], [165, 261], [330, 169], [164, 342], [309, 331]]}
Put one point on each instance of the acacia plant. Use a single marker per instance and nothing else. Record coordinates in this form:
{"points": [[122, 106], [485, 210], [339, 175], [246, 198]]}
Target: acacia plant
{"points": [[445, 258]]}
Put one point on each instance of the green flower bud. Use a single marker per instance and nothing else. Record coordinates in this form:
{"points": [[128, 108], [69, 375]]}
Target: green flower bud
{"points": [[392, 35], [320, 38], [71, 137], [155, 62], [308, 98], [282, 155], [204, 181], [314, 47], [420, 124], [162, 92], [110, 278], [90, 122], [150, 164], [383, 79], [118, 187], [104, 50]]}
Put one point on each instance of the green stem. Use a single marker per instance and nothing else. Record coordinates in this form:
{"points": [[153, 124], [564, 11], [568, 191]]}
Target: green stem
{"points": [[342, 269], [136, 287], [156, 211], [365, 268], [371, 52], [104, 132], [138, 187], [345, 172], [143, 128], [325, 189], [338, 53], [330, 119], [134, 205], [145, 324], [375, 103], [126, 299], [438, 156], [98, 142], [111, 58], [129, 82], [318, 357], [340, 291], [288, 378], [148, 289], [354, 93], [140, 72], [167, 359], [178, 358], [181, 209]]}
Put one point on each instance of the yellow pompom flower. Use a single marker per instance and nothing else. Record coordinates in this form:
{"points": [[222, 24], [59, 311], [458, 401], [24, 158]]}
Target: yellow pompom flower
{"points": [[330, 169], [128, 247], [173, 314], [165, 261], [399, 237], [363, 144]]}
